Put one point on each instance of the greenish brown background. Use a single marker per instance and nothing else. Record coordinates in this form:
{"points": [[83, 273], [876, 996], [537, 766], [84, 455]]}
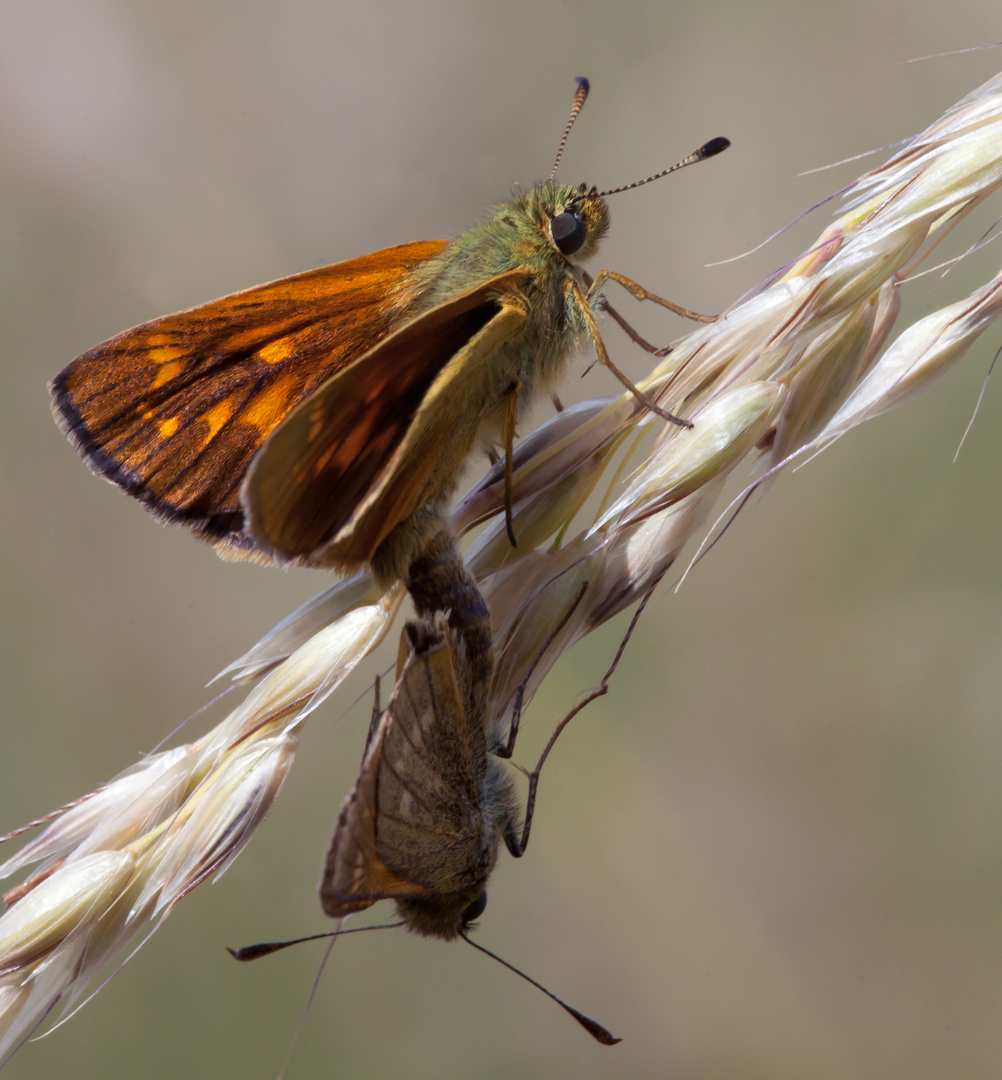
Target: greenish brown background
{"points": [[774, 850]]}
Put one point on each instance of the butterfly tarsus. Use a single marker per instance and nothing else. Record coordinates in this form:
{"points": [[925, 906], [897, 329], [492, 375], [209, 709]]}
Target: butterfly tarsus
{"points": [[635, 337], [515, 844], [630, 332], [638, 292], [574, 290], [505, 750]]}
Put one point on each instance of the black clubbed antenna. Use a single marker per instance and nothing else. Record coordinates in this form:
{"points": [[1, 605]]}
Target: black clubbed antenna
{"points": [[710, 149], [266, 948], [579, 99], [593, 1027]]}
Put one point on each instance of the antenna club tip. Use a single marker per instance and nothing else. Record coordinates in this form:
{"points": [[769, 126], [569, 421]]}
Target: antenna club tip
{"points": [[253, 952], [714, 146], [584, 84], [594, 1028]]}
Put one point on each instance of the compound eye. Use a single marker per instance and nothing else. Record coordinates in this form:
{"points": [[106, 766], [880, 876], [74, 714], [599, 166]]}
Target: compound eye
{"points": [[476, 909], [568, 232]]}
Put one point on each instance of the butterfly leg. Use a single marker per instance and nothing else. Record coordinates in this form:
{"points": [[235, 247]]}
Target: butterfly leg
{"points": [[638, 292], [510, 418], [627, 328], [581, 301], [377, 715], [508, 748], [517, 844]]}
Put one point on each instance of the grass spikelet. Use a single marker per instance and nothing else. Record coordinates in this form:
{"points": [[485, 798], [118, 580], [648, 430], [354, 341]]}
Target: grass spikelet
{"points": [[798, 363]]}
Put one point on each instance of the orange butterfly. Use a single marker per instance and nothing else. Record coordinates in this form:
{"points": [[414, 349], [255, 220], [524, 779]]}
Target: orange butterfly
{"points": [[324, 419]]}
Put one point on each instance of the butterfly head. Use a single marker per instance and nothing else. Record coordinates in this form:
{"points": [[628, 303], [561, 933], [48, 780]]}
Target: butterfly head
{"points": [[568, 222], [443, 916], [579, 220]]}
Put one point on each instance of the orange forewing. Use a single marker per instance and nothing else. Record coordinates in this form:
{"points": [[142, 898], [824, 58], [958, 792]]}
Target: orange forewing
{"points": [[360, 455], [173, 411]]}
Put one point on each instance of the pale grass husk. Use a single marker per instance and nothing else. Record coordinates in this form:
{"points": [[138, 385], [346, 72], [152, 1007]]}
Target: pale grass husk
{"points": [[782, 374]]}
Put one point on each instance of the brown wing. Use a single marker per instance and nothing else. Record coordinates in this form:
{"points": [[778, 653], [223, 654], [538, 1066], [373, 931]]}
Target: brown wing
{"points": [[382, 436], [174, 410], [411, 826]]}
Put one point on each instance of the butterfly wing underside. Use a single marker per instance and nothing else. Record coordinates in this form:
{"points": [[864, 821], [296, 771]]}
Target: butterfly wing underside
{"points": [[173, 411], [357, 457], [411, 826]]}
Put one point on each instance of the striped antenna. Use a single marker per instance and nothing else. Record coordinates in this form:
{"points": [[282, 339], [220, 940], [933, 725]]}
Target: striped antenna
{"points": [[714, 146], [579, 99]]}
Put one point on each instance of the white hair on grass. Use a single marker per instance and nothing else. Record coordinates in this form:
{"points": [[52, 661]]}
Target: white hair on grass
{"points": [[779, 375]]}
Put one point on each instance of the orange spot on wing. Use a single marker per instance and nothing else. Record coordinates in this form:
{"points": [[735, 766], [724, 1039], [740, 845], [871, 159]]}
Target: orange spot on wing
{"points": [[270, 405], [215, 418], [163, 354], [276, 351], [167, 371], [168, 427]]}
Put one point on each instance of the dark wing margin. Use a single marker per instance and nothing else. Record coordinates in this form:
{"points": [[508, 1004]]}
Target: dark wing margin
{"points": [[174, 410]]}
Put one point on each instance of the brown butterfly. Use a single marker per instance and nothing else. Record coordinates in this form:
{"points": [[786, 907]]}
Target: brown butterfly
{"points": [[324, 419], [431, 806], [426, 817], [425, 820]]}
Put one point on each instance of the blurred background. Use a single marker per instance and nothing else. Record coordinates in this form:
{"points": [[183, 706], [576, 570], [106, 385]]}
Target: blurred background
{"points": [[773, 850]]}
